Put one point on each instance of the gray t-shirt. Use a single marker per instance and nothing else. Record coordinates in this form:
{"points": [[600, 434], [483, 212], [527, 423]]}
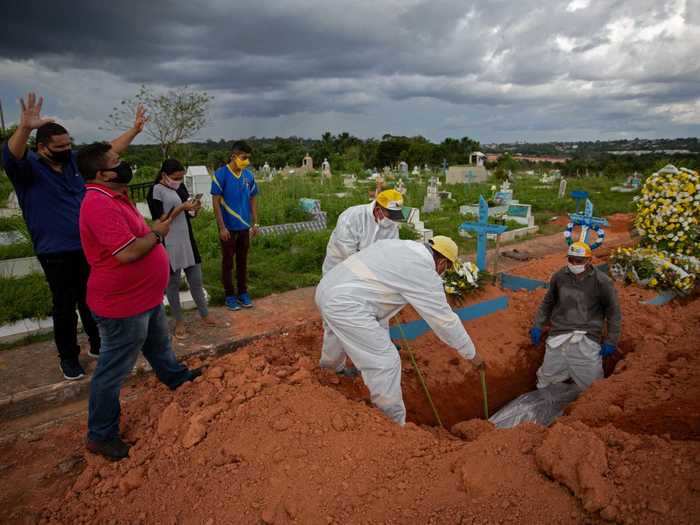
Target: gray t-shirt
{"points": [[177, 242]]}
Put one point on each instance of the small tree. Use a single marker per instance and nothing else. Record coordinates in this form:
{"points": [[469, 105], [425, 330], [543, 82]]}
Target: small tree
{"points": [[174, 116]]}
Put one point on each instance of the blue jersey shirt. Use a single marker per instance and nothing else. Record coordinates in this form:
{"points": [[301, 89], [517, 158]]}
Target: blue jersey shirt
{"points": [[236, 191], [50, 201]]}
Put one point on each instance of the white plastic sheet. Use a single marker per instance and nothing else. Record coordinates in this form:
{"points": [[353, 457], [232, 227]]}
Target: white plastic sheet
{"points": [[541, 406]]}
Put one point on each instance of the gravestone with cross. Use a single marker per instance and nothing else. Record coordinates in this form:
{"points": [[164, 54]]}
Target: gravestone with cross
{"points": [[482, 229], [587, 221]]}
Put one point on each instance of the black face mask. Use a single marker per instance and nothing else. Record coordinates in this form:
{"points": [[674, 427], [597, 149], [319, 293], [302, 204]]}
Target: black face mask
{"points": [[124, 173], [60, 157]]}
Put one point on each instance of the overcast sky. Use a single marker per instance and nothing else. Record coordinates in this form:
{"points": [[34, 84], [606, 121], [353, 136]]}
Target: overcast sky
{"points": [[499, 70]]}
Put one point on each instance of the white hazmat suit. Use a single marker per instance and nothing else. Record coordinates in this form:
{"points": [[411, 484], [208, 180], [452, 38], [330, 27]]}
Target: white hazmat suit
{"points": [[359, 296], [356, 229], [571, 355]]}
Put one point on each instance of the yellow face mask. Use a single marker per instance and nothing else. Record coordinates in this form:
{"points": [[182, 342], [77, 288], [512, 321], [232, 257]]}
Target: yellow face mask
{"points": [[241, 163]]}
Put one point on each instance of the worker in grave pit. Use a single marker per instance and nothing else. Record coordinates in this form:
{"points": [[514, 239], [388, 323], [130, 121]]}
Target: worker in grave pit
{"points": [[359, 296], [578, 304], [358, 227]]}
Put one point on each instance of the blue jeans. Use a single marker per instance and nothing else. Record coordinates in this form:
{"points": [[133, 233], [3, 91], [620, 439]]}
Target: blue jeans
{"points": [[122, 339]]}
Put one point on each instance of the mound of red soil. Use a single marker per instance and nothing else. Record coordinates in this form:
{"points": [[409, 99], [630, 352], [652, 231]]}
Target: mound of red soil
{"points": [[265, 436]]}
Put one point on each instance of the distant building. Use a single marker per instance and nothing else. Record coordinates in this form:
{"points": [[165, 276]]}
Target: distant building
{"points": [[477, 158]]}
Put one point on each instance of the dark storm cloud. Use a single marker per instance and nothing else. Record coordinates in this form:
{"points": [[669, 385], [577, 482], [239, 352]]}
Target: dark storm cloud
{"points": [[612, 60]]}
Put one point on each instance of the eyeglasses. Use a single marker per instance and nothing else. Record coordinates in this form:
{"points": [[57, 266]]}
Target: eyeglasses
{"points": [[577, 260]]}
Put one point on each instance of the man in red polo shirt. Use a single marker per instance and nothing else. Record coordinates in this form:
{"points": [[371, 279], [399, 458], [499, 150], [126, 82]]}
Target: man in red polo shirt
{"points": [[128, 277]]}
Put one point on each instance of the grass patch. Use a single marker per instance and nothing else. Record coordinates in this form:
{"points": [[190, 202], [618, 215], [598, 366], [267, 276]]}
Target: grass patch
{"points": [[30, 339], [19, 249], [285, 262], [24, 297], [546, 205], [15, 251], [276, 263], [5, 188]]}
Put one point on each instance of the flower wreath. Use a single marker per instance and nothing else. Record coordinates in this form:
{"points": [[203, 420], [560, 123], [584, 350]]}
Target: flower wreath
{"points": [[568, 235]]}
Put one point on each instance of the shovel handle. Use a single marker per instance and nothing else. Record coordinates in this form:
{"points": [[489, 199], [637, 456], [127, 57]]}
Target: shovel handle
{"points": [[484, 391]]}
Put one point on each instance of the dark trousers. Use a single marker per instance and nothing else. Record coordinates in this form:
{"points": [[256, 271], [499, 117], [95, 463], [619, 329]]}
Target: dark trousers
{"points": [[237, 246], [67, 274], [122, 340]]}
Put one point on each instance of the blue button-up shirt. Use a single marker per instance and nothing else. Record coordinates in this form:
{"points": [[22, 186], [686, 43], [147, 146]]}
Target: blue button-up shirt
{"points": [[50, 201]]}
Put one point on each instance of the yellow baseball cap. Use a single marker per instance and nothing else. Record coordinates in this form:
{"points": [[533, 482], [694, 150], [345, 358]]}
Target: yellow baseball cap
{"points": [[445, 247], [392, 202], [579, 249]]}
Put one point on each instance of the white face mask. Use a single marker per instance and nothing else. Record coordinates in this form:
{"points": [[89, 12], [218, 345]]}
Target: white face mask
{"points": [[170, 183], [385, 223], [576, 268]]}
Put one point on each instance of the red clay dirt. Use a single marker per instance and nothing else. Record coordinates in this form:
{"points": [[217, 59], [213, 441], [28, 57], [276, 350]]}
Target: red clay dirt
{"points": [[267, 437]]}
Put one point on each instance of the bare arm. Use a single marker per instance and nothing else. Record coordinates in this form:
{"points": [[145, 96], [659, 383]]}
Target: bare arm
{"points": [[216, 202], [141, 246], [137, 249], [122, 142], [18, 142], [254, 209], [185, 206], [224, 235], [254, 213]]}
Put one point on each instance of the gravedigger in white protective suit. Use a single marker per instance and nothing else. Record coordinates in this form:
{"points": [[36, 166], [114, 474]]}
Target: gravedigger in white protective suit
{"points": [[359, 296], [358, 227], [361, 225]]}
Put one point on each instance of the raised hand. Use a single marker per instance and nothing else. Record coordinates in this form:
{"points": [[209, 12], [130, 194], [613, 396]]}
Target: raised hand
{"points": [[141, 118], [30, 116]]}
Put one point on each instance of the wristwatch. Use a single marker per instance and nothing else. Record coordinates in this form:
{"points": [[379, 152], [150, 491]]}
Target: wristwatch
{"points": [[159, 237]]}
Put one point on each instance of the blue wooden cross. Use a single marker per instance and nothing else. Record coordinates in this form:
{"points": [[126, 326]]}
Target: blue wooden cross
{"points": [[579, 196], [587, 221], [482, 228]]}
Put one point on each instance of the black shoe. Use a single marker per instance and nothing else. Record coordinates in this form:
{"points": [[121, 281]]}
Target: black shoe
{"points": [[194, 374], [114, 449], [349, 371], [71, 369]]}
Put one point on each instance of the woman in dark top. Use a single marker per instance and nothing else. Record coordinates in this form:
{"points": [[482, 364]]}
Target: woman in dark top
{"points": [[168, 195]]}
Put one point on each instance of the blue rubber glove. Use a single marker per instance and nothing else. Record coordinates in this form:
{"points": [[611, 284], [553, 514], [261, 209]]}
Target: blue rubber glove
{"points": [[535, 335], [607, 349]]}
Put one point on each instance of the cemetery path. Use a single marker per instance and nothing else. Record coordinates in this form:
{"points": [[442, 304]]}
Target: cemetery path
{"points": [[30, 379]]}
